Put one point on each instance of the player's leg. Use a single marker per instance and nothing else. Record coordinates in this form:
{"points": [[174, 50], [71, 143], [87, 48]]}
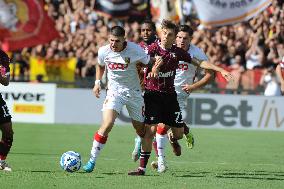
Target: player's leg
{"points": [[161, 141], [135, 106], [137, 149], [140, 130], [171, 117], [7, 135], [100, 138], [5, 144], [182, 101], [189, 138], [146, 148], [151, 120], [111, 108], [175, 135]]}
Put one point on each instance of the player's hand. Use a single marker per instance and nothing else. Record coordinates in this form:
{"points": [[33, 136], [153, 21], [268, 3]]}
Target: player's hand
{"points": [[187, 88], [159, 62], [97, 90], [227, 75]]}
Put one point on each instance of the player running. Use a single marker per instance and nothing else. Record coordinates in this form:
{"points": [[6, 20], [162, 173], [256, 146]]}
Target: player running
{"points": [[148, 34], [161, 105], [5, 117], [185, 75], [184, 83], [120, 59]]}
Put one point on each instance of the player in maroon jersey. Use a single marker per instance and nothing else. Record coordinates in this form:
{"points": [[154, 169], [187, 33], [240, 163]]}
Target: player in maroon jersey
{"points": [[5, 117], [161, 105], [148, 34]]}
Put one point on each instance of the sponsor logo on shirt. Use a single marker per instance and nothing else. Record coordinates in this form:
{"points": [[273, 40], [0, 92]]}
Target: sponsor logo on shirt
{"points": [[166, 74], [117, 66], [173, 55], [183, 67]]}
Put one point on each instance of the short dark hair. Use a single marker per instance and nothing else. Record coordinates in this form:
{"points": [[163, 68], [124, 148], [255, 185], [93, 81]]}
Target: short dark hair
{"points": [[151, 23], [167, 24], [117, 31], [187, 29]]}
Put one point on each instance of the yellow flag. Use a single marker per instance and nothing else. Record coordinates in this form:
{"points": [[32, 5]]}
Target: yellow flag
{"points": [[37, 67], [67, 70]]}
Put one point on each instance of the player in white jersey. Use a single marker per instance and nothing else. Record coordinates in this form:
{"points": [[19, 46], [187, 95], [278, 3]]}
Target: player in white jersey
{"points": [[280, 74], [120, 59], [186, 73]]}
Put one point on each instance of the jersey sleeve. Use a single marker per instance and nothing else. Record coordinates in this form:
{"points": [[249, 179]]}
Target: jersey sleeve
{"points": [[199, 55], [101, 55], [152, 50], [142, 56]]}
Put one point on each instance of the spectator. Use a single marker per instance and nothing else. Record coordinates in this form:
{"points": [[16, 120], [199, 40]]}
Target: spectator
{"points": [[259, 42], [270, 83], [254, 56]]}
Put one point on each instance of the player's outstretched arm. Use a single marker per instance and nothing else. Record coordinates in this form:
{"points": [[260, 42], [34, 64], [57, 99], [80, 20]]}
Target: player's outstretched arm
{"points": [[99, 74], [188, 88], [206, 65]]}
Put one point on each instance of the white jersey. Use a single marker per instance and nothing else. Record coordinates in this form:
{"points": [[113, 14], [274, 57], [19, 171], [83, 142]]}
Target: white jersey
{"points": [[186, 71], [121, 66]]}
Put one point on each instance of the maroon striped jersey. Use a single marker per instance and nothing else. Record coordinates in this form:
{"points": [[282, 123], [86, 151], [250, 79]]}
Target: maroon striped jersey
{"points": [[142, 71], [171, 58]]}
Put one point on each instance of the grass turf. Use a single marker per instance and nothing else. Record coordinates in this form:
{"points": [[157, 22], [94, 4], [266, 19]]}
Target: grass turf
{"points": [[220, 159]]}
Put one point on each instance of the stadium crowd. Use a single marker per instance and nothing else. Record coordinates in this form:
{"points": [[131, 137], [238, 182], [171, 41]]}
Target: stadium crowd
{"points": [[247, 49]]}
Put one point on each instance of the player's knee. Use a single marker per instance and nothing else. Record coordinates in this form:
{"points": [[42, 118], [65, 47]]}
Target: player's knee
{"points": [[178, 136], [150, 133], [141, 132], [7, 133], [161, 129], [8, 138]]}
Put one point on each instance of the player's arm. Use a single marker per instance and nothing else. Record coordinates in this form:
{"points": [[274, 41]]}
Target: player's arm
{"points": [[157, 63], [100, 69], [280, 77], [4, 77], [200, 83], [99, 74], [206, 65]]}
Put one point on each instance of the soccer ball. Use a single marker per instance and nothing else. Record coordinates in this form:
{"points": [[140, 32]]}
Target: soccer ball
{"points": [[70, 161]]}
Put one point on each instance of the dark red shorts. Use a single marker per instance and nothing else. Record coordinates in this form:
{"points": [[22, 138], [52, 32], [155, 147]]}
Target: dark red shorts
{"points": [[162, 108]]}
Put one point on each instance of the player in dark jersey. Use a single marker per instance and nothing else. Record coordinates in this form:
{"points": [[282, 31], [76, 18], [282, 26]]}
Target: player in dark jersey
{"points": [[161, 105], [5, 117], [148, 34]]}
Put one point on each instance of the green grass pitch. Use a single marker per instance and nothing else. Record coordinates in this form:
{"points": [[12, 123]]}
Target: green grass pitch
{"points": [[221, 159]]}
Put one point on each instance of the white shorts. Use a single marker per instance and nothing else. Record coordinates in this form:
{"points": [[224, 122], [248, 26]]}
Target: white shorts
{"points": [[182, 101], [133, 101]]}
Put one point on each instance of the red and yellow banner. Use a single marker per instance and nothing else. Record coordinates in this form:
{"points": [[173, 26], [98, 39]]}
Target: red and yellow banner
{"points": [[24, 23]]}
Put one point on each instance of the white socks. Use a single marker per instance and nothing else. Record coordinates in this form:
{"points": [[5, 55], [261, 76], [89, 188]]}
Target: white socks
{"points": [[161, 144]]}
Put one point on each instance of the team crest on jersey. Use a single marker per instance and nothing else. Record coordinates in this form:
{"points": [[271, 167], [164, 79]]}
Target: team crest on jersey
{"points": [[173, 55], [127, 60]]}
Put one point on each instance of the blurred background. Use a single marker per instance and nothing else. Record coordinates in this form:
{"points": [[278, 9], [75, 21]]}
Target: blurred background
{"points": [[56, 41]]}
